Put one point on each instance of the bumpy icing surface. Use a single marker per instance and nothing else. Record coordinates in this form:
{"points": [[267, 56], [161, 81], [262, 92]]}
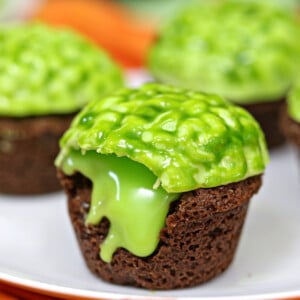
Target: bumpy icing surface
{"points": [[245, 51], [187, 139], [45, 71], [293, 102]]}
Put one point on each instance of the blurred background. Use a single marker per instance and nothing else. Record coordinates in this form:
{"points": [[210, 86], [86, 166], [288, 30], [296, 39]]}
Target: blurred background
{"points": [[124, 28]]}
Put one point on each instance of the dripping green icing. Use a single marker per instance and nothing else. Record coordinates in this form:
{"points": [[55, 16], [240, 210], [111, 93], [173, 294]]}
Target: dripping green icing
{"points": [[123, 192]]}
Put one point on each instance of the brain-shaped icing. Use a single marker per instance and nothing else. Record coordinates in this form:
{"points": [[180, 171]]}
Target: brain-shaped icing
{"points": [[45, 71], [244, 51], [187, 139]]}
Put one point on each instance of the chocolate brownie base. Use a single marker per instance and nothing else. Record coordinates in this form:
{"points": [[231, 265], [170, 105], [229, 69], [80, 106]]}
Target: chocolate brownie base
{"points": [[267, 114], [28, 147], [290, 128], [198, 242]]}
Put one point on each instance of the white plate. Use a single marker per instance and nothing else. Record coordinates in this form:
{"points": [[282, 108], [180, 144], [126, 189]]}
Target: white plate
{"points": [[38, 247], [16, 10]]}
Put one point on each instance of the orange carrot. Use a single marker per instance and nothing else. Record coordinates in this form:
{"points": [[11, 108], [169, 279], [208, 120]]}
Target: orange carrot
{"points": [[107, 24]]}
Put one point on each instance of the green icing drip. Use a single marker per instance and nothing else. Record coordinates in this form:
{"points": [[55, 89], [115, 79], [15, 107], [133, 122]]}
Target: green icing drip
{"points": [[293, 102], [244, 51], [51, 71], [123, 192], [187, 139]]}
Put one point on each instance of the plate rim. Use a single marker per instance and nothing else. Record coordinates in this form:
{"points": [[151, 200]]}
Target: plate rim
{"points": [[80, 294]]}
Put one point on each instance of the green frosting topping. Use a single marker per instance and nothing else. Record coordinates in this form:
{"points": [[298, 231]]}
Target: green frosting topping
{"points": [[245, 51], [187, 139], [135, 209], [285, 4], [293, 102], [51, 71]]}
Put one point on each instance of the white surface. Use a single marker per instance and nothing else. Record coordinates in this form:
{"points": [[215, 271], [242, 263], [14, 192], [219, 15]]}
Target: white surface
{"points": [[38, 246], [16, 10]]}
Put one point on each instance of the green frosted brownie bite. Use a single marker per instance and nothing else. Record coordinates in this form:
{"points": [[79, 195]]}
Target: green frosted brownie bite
{"points": [[47, 75], [247, 52], [51, 71], [187, 139], [131, 156]]}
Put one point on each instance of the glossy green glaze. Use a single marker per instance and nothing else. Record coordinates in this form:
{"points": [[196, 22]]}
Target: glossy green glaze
{"points": [[122, 192], [51, 71], [187, 139], [246, 51]]}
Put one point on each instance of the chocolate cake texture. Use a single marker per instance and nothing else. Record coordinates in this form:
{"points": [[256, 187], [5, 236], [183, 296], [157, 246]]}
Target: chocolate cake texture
{"points": [[198, 242], [28, 147]]}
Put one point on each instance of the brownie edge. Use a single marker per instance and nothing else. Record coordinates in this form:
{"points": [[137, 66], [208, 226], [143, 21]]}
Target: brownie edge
{"points": [[198, 242], [28, 147]]}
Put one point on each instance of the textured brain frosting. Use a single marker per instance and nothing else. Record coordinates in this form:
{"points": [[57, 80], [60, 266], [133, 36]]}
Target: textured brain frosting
{"points": [[245, 51], [45, 71], [187, 139], [293, 102]]}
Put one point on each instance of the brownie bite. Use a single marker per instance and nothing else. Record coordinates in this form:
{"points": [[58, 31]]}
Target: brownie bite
{"points": [[28, 147], [47, 75], [158, 182], [197, 243], [246, 51]]}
